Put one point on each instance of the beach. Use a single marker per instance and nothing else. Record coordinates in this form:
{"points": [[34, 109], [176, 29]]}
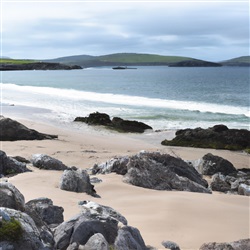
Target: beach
{"points": [[189, 219]]}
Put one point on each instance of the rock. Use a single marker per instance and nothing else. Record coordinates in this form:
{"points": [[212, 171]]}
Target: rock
{"points": [[129, 126], [116, 165], [218, 137], [11, 130], [10, 165], [155, 171], [96, 242], [20, 159], [46, 162], [211, 164], [44, 208], [29, 237], [236, 245], [244, 189], [94, 180], [219, 183], [100, 212], [10, 197], [77, 181], [170, 245], [80, 228], [95, 119], [129, 238], [116, 123]]}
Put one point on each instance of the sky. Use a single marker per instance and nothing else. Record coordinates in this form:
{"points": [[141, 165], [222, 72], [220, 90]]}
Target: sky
{"points": [[209, 30]]}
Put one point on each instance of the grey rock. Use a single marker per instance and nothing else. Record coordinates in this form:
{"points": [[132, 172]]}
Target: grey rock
{"points": [[170, 245], [30, 238], [43, 161], [115, 165], [80, 228], [219, 183], [212, 164], [96, 242], [95, 180], [243, 244], [10, 165], [100, 212], [44, 208], [155, 171], [129, 238], [76, 181], [163, 172], [244, 189], [11, 130], [11, 197]]}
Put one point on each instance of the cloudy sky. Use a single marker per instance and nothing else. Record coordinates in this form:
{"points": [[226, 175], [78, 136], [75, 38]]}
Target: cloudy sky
{"points": [[209, 30]]}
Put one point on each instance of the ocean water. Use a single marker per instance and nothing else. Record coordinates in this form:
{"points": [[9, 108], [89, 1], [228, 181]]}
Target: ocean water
{"points": [[163, 97]]}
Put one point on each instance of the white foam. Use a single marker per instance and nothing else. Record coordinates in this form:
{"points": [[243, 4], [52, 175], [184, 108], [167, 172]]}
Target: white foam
{"points": [[74, 97]]}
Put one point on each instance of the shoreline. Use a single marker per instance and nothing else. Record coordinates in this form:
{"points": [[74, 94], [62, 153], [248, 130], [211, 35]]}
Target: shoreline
{"points": [[189, 219]]}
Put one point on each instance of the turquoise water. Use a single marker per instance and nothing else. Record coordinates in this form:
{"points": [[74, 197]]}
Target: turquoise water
{"points": [[163, 97]]}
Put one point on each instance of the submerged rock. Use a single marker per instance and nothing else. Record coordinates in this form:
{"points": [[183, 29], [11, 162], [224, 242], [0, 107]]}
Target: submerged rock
{"points": [[11, 130], [116, 123]]}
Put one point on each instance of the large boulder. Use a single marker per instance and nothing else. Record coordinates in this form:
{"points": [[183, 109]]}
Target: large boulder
{"points": [[11, 130], [235, 245], [46, 162], [44, 208], [76, 181], [9, 165], [218, 137], [129, 238], [116, 123], [10, 197], [80, 228], [211, 164], [155, 171], [97, 211], [23, 233]]}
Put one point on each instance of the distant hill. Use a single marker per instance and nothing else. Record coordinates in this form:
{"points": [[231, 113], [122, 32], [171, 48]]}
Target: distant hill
{"points": [[238, 61], [23, 64], [129, 59]]}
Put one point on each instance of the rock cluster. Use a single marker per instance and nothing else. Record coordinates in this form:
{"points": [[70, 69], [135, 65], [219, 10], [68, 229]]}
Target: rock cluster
{"points": [[243, 244], [116, 123], [218, 137], [155, 171], [11, 130], [40, 226]]}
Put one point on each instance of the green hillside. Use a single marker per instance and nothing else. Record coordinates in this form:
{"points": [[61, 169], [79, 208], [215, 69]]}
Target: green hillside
{"points": [[15, 61], [238, 61], [141, 58], [125, 59]]}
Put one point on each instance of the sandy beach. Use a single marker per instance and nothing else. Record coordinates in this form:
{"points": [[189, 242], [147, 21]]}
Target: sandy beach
{"points": [[189, 219]]}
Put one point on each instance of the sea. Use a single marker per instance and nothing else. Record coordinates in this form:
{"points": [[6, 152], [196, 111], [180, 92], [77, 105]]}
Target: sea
{"points": [[166, 98]]}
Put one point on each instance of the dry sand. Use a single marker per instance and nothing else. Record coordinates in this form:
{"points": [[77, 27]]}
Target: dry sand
{"points": [[189, 219]]}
